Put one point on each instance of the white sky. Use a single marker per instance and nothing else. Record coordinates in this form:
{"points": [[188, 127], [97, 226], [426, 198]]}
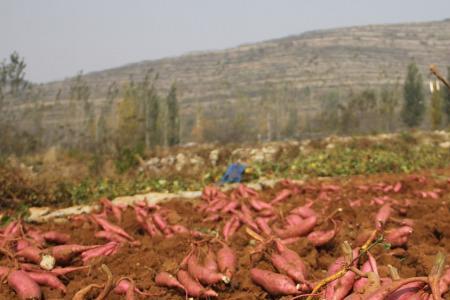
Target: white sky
{"points": [[58, 38]]}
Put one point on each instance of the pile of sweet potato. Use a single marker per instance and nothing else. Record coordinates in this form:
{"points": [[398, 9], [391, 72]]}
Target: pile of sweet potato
{"points": [[42, 258]]}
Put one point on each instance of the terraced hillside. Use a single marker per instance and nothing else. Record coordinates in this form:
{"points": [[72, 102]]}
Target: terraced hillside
{"points": [[300, 74]]}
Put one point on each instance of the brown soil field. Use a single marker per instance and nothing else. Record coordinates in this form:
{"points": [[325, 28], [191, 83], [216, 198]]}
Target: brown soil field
{"points": [[429, 211]]}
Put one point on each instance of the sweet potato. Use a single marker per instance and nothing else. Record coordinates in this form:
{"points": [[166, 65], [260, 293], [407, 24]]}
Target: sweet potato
{"points": [[232, 205], [126, 286], [445, 281], [293, 219], [59, 271], [282, 195], [230, 227], [104, 250], [21, 244], [36, 236], [294, 259], [408, 291], [167, 280], [340, 288], [192, 287], [47, 279], [263, 225], [202, 274], [65, 253], [210, 261], [216, 205], [25, 287], [30, 254], [369, 266], [399, 236], [111, 227], [56, 237], [246, 219], [275, 284], [297, 230], [259, 204], [385, 290], [110, 236], [226, 260], [303, 211], [285, 267], [321, 237], [382, 216]]}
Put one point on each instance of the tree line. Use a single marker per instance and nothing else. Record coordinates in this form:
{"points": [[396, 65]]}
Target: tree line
{"points": [[135, 115]]}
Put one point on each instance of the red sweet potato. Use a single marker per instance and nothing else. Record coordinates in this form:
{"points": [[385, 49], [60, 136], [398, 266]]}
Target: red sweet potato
{"points": [[304, 211], [369, 266], [167, 280], [259, 204], [399, 236], [30, 254], [263, 225], [444, 283], [385, 290], [293, 219], [126, 286], [226, 260], [210, 261], [282, 195], [21, 244], [294, 259], [202, 274], [297, 230], [25, 287], [63, 254], [47, 279], [104, 250], [285, 267], [321, 237], [36, 236], [230, 227], [111, 227], [382, 216], [56, 237], [275, 284], [232, 205], [111, 236], [406, 292], [192, 287]]}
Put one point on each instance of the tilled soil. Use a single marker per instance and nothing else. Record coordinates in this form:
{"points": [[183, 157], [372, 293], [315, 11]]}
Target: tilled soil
{"points": [[430, 212]]}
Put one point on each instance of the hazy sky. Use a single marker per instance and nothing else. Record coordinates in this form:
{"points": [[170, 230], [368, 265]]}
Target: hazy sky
{"points": [[58, 38]]}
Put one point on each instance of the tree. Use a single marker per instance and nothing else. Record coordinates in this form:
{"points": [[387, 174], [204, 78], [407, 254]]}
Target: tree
{"points": [[436, 107], [414, 105], [386, 107], [173, 118], [12, 76], [446, 97]]}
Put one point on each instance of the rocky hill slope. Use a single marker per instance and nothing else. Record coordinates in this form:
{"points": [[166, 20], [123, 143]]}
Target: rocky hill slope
{"points": [[302, 70]]}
